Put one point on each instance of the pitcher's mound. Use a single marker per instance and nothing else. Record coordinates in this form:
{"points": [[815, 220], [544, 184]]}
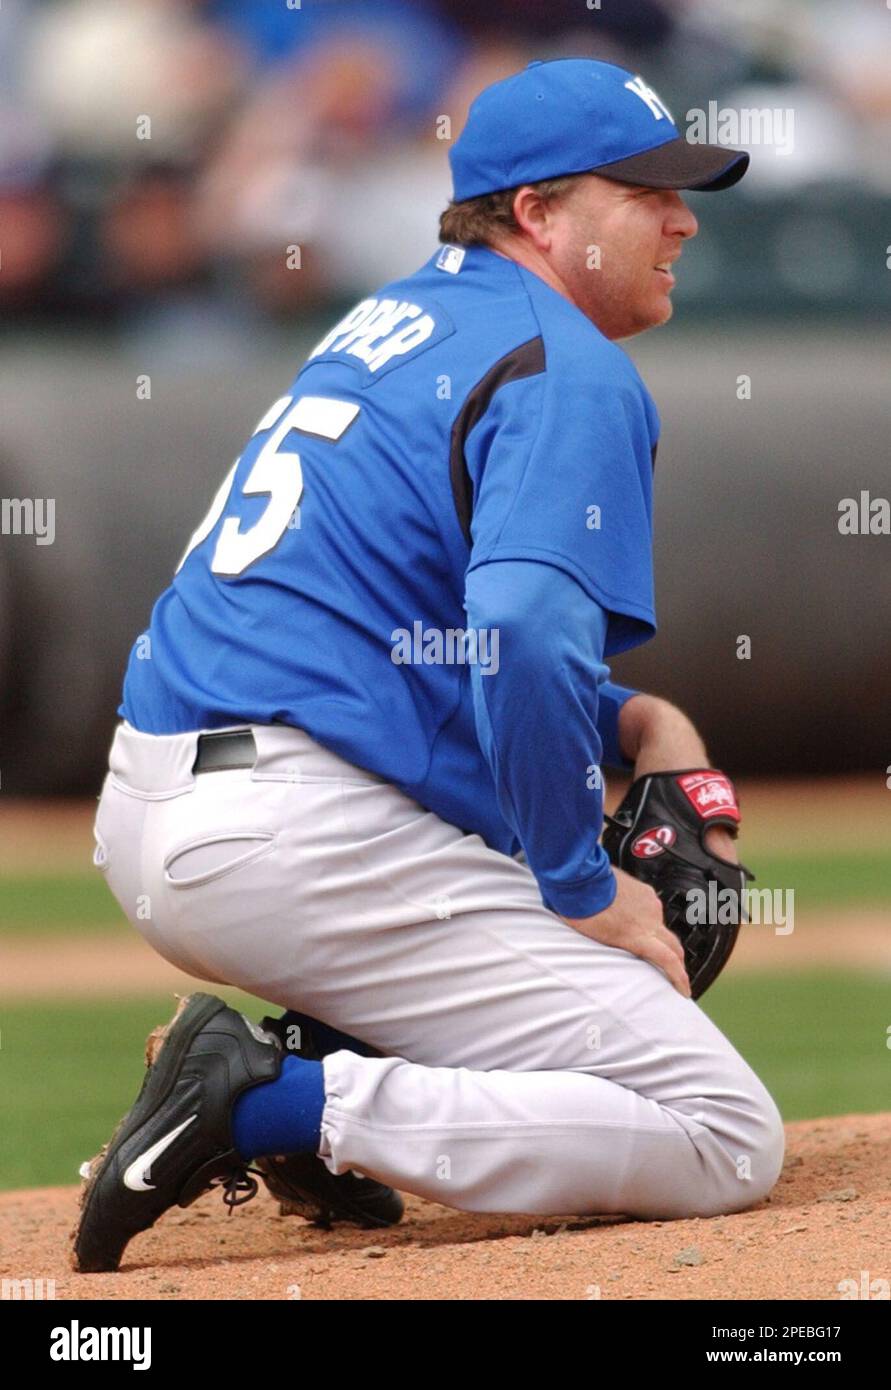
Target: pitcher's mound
{"points": [[825, 1233]]}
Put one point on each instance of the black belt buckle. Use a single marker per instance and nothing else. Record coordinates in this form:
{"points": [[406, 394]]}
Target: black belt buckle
{"points": [[225, 752]]}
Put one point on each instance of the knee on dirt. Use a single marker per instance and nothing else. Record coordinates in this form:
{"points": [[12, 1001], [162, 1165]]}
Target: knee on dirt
{"points": [[742, 1155]]}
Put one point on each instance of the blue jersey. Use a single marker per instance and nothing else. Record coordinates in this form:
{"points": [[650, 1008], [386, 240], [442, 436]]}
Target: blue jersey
{"points": [[462, 444]]}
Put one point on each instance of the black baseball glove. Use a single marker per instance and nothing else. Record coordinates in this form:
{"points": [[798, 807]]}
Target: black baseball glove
{"points": [[658, 835]]}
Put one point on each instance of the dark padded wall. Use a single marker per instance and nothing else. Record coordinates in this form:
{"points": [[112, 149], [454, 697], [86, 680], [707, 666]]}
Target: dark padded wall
{"points": [[747, 539]]}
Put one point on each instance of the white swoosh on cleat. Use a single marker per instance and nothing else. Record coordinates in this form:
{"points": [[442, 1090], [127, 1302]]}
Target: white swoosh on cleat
{"points": [[138, 1171]]}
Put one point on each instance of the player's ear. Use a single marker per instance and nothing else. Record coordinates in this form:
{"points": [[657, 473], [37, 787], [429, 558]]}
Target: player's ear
{"points": [[531, 213]]}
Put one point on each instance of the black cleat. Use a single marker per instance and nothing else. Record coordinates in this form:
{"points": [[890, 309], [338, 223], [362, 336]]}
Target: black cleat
{"points": [[305, 1187], [176, 1140]]}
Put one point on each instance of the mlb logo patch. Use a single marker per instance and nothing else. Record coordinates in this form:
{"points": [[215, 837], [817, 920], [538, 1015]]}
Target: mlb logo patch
{"points": [[450, 259]]}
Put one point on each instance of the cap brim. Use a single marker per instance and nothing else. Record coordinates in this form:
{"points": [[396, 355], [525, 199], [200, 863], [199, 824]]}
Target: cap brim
{"points": [[678, 164]]}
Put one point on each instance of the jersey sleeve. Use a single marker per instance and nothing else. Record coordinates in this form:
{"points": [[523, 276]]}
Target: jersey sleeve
{"points": [[561, 467], [536, 720], [611, 699]]}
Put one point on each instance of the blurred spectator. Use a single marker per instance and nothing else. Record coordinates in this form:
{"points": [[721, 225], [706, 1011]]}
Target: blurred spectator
{"points": [[146, 233], [410, 38], [34, 234], [338, 138], [633, 24], [221, 157], [95, 67], [854, 60]]}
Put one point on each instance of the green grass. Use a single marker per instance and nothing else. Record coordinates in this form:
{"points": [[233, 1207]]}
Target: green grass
{"points": [[822, 880], [77, 902], [57, 902], [818, 1039], [68, 1071]]}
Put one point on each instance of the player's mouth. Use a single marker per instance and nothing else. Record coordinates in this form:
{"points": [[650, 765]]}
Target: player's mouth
{"points": [[663, 268]]}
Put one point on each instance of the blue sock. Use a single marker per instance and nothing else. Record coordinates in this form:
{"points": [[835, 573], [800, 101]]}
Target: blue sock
{"points": [[283, 1116]]}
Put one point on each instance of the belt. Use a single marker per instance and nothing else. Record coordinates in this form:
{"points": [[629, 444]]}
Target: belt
{"points": [[225, 752]]}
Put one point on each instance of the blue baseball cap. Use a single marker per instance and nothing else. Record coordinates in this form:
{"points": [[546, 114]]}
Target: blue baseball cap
{"points": [[580, 116]]}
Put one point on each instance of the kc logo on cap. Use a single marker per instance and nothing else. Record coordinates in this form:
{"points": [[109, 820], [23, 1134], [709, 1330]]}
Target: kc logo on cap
{"points": [[655, 103]]}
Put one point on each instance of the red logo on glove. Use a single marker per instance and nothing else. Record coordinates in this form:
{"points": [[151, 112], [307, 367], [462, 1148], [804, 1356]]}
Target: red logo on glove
{"points": [[710, 794], [653, 842]]}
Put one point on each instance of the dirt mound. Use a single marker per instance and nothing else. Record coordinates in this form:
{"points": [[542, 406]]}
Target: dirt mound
{"points": [[827, 1221]]}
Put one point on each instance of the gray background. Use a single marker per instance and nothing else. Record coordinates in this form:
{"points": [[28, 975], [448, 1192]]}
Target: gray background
{"points": [[747, 540]]}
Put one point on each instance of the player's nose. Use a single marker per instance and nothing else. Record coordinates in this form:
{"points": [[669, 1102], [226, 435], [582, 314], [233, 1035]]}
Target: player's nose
{"points": [[679, 220]]}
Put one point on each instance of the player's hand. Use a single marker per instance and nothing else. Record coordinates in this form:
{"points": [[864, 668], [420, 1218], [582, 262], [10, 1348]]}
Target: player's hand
{"points": [[633, 921]]}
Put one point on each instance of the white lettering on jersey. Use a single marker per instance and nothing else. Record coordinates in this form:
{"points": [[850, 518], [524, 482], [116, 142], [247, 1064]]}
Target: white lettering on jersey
{"points": [[276, 472], [647, 95], [354, 319], [372, 332]]}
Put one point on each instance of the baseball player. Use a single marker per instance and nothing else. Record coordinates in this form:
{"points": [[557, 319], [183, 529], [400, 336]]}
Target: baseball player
{"points": [[358, 772]]}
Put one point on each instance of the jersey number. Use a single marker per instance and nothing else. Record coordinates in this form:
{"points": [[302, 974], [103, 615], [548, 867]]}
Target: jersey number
{"points": [[278, 474]]}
